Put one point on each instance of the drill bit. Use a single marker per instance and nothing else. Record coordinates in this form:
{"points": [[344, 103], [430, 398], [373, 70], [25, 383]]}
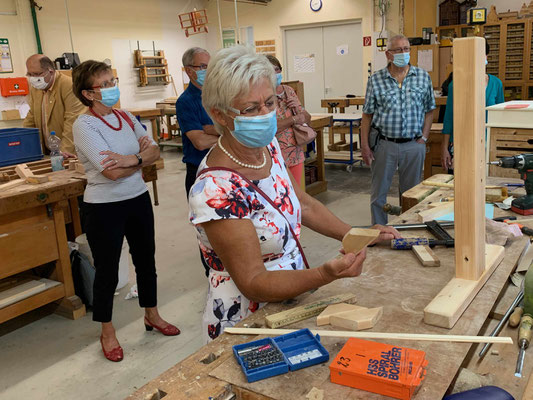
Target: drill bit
{"points": [[524, 337]]}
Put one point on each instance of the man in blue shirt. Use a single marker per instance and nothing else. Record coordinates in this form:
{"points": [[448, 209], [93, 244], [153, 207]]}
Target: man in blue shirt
{"points": [[397, 118], [198, 131]]}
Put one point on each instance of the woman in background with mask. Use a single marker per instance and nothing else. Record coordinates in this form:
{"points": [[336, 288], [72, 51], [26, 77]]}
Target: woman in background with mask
{"points": [[289, 113], [113, 147], [246, 209]]}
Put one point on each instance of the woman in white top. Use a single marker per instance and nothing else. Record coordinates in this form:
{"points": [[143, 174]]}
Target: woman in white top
{"points": [[250, 243], [113, 146]]}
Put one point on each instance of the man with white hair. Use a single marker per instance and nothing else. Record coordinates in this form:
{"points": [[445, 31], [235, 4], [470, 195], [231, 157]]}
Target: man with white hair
{"points": [[198, 132], [397, 118]]}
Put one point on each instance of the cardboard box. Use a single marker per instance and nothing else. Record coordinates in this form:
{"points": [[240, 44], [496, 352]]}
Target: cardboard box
{"points": [[10, 115], [379, 368]]}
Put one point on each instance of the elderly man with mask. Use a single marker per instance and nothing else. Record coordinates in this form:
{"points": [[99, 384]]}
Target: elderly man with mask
{"points": [[397, 118], [53, 106], [198, 132]]}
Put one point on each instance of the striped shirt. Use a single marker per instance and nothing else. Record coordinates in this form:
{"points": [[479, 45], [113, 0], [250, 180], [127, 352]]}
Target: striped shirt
{"points": [[398, 112], [91, 136]]}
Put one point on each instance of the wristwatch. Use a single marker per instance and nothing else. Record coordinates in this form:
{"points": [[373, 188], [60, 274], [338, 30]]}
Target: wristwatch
{"points": [[425, 139], [139, 158]]}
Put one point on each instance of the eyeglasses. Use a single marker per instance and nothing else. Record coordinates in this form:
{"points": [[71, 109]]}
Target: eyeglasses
{"points": [[201, 66], [107, 84], [254, 110], [400, 50], [39, 75]]}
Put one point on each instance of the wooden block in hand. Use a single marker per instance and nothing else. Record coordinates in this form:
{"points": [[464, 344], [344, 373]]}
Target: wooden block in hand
{"points": [[426, 256], [358, 238], [323, 318], [357, 320]]}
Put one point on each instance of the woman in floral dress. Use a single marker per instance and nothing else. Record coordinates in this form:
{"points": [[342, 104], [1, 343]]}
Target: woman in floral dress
{"points": [[251, 244]]}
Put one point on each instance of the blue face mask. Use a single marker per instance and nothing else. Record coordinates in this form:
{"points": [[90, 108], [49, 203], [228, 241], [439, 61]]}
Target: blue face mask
{"points": [[278, 79], [402, 59], [110, 96], [256, 131], [200, 77], [486, 61]]}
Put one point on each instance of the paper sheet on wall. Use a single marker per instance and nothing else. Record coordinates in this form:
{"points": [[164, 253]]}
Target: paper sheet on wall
{"points": [[5, 56], [425, 60], [23, 110], [342, 50], [304, 63]]}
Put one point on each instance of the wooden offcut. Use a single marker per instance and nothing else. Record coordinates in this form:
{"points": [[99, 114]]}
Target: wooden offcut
{"points": [[358, 238], [24, 172], [357, 320], [435, 212], [323, 318], [305, 311], [12, 184], [426, 256]]}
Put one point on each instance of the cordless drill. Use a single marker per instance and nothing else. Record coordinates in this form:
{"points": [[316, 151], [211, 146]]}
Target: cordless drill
{"points": [[524, 164]]}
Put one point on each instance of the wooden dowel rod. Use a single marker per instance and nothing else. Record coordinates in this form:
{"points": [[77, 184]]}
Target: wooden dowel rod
{"points": [[377, 335], [451, 185]]}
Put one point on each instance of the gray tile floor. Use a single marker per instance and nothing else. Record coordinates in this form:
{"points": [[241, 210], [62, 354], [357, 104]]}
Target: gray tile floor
{"points": [[45, 356]]}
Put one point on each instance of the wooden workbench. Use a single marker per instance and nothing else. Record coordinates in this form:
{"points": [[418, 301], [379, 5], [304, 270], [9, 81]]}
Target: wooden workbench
{"points": [[403, 287], [32, 233]]}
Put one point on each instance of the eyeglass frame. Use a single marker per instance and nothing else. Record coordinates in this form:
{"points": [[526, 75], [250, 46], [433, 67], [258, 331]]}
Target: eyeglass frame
{"points": [[201, 66], [399, 50], [260, 106], [40, 75], [114, 80]]}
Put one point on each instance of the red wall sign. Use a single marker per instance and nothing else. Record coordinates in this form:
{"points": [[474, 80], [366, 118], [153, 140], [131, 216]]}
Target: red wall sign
{"points": [[367, 40]]}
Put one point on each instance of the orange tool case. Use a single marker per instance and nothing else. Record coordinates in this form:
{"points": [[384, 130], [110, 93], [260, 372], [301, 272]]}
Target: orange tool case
{"points": [[379, 368]]}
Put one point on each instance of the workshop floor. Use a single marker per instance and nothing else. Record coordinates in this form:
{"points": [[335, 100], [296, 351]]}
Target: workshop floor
{"points": [[45, 356]]}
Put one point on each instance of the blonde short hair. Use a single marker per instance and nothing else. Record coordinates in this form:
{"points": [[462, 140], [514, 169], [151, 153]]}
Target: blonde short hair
{"points": [[230, 74]]}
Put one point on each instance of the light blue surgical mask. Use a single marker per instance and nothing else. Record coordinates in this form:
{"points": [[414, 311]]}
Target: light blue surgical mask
{"points": [[200, 76], [257, 131], [110, 96], [278, 79], [401, 59], [486, 61]]}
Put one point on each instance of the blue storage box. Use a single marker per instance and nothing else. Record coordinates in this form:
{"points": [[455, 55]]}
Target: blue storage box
{"points": [[268, 357], [19, 145]]}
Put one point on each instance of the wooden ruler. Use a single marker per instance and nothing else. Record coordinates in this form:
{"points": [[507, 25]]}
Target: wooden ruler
{"points": [[305, 311]]}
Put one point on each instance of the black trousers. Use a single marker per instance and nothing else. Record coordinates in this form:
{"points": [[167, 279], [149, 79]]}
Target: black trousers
{"points": [[106, 225], [189, 181]]}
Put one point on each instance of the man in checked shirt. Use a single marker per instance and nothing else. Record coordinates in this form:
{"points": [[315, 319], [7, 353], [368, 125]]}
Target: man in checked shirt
{"points": [[397, 117]]}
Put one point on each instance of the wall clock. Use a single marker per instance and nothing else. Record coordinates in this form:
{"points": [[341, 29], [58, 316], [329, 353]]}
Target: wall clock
{"points": [[315, 5]]}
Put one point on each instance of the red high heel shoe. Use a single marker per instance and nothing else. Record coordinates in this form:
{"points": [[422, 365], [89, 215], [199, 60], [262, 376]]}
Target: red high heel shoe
{"points": [[115, 355], [169, 330]]}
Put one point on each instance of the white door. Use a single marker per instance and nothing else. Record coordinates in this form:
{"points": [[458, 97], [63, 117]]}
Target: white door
{"points": [[304, 61], [327, 59], [343, 55]]}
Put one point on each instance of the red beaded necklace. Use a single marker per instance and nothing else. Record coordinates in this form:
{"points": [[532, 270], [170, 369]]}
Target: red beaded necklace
{"points": [[105, 122]]}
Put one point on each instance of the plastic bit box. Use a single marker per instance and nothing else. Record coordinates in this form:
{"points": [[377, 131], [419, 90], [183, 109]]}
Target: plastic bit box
{"points": [[268, 357]]}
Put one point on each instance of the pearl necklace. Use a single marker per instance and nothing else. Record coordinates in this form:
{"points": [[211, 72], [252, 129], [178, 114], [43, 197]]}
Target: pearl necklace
{"points": [[232, 158]]}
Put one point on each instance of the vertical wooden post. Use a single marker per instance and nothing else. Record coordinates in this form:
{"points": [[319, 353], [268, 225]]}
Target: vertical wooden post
{"points": [[469, 156]]}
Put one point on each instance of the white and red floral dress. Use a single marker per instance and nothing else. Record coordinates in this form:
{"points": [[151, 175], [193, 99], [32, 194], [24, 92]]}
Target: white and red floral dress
{"points": [[218, 195]]}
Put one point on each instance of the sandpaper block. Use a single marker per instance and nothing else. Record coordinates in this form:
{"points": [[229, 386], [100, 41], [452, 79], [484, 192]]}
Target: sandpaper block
{"points": [[358, 238]]}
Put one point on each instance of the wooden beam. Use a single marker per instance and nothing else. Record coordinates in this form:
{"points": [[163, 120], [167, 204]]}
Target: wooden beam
{"points": [[12, 184], [24, 172], [434, 213], [448, 306], [377, 335], [358, 238], [469, 156]]}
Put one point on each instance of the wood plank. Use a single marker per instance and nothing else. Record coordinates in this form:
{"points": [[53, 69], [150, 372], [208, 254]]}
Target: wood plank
{"points": [[356, 239], [12, 184], [469, 158], [24, 172], [323, 317], [377, 335], [20, 292], [426, 256], [446, 308], [358, 319], [419, 192], [304, 311], [435, 212]]}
